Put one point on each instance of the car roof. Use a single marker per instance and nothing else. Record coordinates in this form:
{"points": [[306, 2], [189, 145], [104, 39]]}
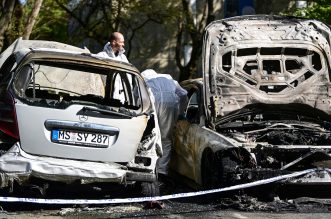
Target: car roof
{"points": [[21, 44], [41, 49]]}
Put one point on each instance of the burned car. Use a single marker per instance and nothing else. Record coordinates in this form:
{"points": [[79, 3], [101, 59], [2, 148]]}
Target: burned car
{"points": [[263, 107], [68, 116]]}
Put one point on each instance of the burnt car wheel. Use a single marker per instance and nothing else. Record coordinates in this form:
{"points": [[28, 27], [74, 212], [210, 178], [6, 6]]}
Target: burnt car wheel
{"points": [[227, 171], [217, 170], [150, 189], [210, 170]]}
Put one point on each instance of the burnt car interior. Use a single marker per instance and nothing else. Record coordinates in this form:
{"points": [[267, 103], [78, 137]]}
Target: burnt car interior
{"points": [[282, 137], [280, 133]]}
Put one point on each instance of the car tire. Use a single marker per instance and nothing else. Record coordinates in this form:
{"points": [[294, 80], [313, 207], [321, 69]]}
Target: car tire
{"points": [[209, 170], [227, 169], [150, 189], [217, 170]]}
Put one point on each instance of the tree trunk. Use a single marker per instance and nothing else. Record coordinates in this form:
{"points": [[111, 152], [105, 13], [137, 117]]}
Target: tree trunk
{"points": [[194, 31], [5, 19], [32, 19]]}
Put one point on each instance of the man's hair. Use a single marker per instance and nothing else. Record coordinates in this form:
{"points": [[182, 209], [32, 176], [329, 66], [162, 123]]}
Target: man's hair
{"points": [[113, 36]]}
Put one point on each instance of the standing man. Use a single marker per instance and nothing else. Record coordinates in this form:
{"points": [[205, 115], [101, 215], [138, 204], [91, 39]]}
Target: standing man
{"points": [[170, 101], [114, 49]]}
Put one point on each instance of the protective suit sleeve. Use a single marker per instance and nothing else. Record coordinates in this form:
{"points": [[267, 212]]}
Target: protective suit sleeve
{"points": [[183, 100]]}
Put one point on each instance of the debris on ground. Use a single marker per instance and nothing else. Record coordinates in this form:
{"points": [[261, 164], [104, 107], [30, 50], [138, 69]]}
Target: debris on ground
{"points": [[154, 205]]}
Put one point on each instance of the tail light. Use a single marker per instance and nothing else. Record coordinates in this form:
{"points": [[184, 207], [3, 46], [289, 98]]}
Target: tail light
{"points": [[8, 120]]}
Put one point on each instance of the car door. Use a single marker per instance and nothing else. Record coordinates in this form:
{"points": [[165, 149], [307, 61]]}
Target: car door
{"points": [[186, 146]]}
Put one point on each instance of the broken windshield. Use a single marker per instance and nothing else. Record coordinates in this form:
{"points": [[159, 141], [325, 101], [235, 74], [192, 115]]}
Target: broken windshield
{"points": [[65, 84]]}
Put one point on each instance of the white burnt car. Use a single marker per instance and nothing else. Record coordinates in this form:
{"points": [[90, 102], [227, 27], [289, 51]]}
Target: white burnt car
{"points": [[263, 107], [69, 116]]}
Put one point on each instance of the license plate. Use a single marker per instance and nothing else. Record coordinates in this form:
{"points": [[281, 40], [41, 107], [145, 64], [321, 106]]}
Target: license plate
{"points": [[81, 138]]}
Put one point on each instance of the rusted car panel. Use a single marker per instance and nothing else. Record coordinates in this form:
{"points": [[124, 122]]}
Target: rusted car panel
{"points": [[191, 140], [263, 106], [62, 118]]}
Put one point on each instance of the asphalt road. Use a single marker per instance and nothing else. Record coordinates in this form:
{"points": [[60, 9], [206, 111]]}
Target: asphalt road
{"points": [[182, 210], [289, 203], [236, 205]]}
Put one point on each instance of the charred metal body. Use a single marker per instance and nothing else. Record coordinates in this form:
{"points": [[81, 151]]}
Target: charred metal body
{"points": [[262, 107], [69, 116]]}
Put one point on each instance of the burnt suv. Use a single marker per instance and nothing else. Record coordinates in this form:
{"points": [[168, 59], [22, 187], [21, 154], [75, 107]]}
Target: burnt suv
{"points": [[263, 107], [69, 116]]}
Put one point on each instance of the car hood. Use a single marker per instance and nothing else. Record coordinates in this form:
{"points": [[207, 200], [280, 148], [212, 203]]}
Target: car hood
{"points": [[269, 60]]}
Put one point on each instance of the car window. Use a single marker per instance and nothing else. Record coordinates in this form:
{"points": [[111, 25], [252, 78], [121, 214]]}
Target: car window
{"points": [[123, 86], [67, 83], [192, 111], [21, 80], [70, 81]]}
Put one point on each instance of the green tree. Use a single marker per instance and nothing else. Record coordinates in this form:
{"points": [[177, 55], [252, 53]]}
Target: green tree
{"points": [[317, 9], [7, 9], [32, 19], [152, 28], [51, 23], [191, 25], [93, 20], [35, 19]]}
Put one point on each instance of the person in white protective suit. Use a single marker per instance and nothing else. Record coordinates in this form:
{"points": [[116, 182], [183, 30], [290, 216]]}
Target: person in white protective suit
{"points": [[114, 49], [170, 102]]}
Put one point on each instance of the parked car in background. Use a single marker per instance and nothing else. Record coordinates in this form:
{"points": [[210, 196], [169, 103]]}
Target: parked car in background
{"points": [[263, 107], [63, 119]]}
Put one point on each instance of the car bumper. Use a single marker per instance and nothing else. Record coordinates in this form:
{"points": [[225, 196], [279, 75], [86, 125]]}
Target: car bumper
{"points": [[17, 165]]}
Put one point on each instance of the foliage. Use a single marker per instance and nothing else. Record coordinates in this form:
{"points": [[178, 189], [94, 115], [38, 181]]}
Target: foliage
{"points": [[190, 32], [88, 23], [93, 20], [6, 14], [318, 9], [52, 22]]}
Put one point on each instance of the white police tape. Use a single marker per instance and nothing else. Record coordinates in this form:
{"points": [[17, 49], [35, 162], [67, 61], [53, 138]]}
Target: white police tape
{"points": [[156, 198]]}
